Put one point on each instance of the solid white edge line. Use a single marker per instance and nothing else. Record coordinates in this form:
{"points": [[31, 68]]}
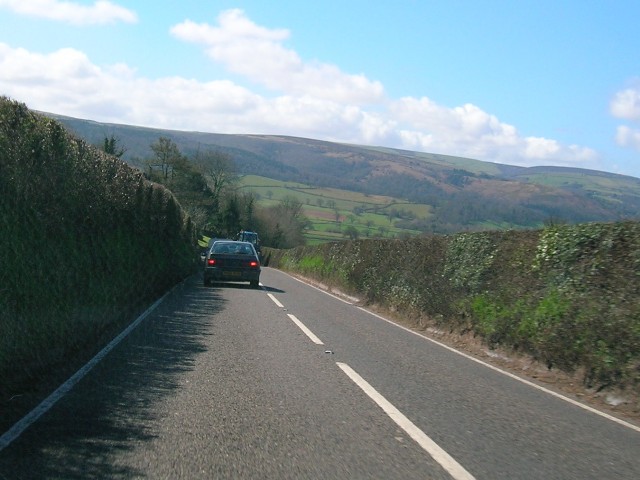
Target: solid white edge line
{"points": [[320, 289], [306, 331], [488, 365], [26, 421], [511, 375], [275, 300], [445, 460]]}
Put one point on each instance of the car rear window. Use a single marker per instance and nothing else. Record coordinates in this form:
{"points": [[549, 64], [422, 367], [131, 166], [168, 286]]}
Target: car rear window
{"points": [[235, 248], [221, 248]]}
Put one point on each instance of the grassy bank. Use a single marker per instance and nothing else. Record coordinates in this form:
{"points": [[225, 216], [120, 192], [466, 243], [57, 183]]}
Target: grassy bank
{"points": [[566, 295], [85, 242]]}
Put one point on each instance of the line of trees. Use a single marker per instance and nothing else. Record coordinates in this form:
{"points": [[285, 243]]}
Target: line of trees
{"points": [[206, 184]]}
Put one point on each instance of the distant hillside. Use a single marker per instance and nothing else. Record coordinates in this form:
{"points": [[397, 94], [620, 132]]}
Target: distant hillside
{"points": [[464, 193]]}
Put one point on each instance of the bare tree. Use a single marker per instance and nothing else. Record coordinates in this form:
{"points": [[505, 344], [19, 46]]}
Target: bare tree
{"points": [[167, 157], [284, 224], [219, 173]]}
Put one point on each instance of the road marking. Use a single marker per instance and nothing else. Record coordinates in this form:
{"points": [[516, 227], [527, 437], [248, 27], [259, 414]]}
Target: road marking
{"points": [[275, 300], [488, 365], [26, 421], [511, 375], [320, 289], [307, 332], [445, 460]]}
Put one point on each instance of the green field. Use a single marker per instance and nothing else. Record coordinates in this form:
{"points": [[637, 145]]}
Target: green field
{"points": [[331, 211]]}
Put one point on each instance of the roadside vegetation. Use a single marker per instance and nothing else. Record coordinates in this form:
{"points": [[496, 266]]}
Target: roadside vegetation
{"points": [[209, 190], [86, 242], [565, 295]]}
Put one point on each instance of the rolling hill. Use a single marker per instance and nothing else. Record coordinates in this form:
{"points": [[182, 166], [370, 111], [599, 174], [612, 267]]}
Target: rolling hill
{"points": [[464, 194]]}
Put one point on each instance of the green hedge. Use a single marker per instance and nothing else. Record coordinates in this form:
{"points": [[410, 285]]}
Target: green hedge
{"points": [[85, 241], [567, 295]]}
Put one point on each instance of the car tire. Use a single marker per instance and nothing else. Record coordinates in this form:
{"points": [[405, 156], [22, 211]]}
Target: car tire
{"points": [[254, 284]]}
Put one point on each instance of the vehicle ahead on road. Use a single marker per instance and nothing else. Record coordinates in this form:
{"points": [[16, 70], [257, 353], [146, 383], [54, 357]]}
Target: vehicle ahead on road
{"points": [[232, 261], [251, 237], [204, 252]]}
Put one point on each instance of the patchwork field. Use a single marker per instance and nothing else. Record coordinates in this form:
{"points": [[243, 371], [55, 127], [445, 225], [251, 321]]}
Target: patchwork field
{"points": [[335, 214]]}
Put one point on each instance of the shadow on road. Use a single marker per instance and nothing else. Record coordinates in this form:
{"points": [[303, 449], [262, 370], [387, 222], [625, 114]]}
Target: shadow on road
{"points": [[243, 286], [112, 408]]}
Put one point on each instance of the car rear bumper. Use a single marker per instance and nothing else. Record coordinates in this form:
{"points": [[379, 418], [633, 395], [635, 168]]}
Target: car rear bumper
{"points": [[230, 275]]}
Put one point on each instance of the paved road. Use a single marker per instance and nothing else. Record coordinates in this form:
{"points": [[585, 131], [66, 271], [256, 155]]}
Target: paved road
{"points": [[234, 383]]}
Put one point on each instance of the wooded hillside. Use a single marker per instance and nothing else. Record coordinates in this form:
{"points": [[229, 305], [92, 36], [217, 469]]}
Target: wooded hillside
{"points": [[464, 194]]}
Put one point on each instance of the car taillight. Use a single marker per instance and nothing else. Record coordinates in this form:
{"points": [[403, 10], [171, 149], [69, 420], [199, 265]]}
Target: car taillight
{"points": [[254, 264], [211, 262]]}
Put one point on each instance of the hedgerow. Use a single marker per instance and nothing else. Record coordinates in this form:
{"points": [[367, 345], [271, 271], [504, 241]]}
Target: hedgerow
{"points": [[85, 241], [567, 294]]}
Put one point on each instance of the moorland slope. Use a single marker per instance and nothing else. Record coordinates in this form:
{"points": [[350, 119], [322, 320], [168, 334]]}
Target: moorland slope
{"points": [[464, 194]]}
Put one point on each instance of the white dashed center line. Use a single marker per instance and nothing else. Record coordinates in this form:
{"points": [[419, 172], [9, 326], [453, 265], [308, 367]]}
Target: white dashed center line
{"points": [[447, 462], [306, 331], [275, 300]]}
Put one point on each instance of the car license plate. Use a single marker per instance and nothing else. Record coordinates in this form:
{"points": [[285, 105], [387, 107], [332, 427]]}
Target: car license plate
{"points": [[233, 274]]}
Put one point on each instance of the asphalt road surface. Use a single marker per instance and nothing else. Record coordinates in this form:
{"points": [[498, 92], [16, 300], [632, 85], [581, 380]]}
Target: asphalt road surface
{"points": [[288, 382]]}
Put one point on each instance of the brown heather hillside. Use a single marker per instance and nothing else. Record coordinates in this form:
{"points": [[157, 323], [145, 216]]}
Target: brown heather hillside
{"points": [[559, 304]]}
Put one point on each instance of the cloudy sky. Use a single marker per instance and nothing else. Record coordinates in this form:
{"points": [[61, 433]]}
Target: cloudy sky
{"points": [[540, 82]]}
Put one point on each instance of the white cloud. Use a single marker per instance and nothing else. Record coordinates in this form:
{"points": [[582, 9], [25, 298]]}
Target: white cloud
{"points": [[628, 137], [626, 104], [257, 53], [311, 99], [101, 12], [66, 82], [471, 132]]}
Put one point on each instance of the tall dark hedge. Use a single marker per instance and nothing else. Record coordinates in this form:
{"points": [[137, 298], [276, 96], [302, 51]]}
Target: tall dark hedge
{"points": [[84, 241]]}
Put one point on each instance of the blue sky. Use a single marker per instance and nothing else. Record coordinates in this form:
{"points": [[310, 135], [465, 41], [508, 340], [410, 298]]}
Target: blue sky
{"points": [[523, 83]]}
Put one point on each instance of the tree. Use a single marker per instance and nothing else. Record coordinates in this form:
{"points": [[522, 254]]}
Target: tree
{"points": [[283, 224], [248, 205], [198, 216], [230, 217], [167, 157], [112, 146], [219, 172], [351, 232], [291, 206], [369, 224]]}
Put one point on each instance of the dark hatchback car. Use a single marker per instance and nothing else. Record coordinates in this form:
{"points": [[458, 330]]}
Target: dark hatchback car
{"points": [[232, 261]]}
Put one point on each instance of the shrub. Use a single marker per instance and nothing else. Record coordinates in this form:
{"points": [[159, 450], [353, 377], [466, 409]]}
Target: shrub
{"points": [[566, 295], [86, 240]]}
